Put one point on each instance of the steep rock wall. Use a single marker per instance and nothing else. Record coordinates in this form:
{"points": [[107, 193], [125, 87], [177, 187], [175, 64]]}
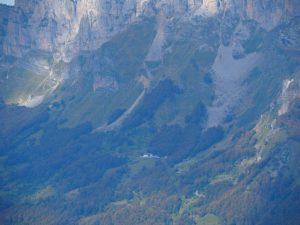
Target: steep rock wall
{"points": [[66, 27]]}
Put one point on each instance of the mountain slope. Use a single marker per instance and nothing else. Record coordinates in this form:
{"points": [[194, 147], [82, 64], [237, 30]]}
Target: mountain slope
{"points": [[150, 112]]}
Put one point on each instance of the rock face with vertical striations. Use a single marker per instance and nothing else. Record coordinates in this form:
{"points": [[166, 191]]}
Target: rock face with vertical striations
{"points": [[136, 112], [69, 26], [270, 13]]}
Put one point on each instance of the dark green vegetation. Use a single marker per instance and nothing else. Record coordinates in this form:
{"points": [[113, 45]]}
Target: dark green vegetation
{"points": [[162, 164]]}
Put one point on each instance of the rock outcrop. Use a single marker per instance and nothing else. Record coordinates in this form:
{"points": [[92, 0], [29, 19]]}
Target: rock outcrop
{"points": [[269, 13], [69, 26]]}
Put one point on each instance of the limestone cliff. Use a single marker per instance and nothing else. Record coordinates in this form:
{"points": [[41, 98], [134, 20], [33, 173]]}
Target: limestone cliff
{"points": [[69, 26], [270, 13]]}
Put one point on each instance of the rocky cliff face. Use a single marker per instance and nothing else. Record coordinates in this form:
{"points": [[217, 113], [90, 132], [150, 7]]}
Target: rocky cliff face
{"points": [[270, 13], [69, 26], [150, 112], [65, 27]]}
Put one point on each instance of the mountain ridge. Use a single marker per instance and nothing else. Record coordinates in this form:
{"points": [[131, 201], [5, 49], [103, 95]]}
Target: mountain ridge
{"points": [[150, 112]]}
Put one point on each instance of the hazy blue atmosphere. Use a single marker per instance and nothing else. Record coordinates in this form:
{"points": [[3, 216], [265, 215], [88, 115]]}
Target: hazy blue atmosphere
{"points": [[7, 2], [150, 112]]}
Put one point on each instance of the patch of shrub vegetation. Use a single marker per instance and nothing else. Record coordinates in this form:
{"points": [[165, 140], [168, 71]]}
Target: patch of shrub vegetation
{"points": [[198, 115], [115, 115], [165, 90]]}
